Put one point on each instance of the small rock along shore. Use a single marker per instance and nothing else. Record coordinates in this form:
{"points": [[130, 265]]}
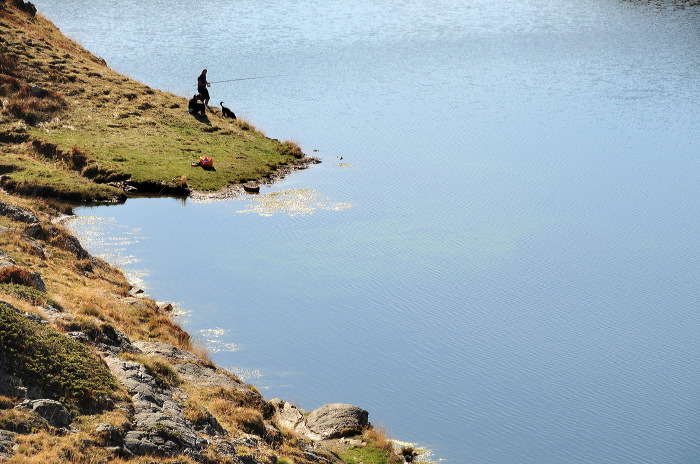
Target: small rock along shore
{"points": [[90, 369]]}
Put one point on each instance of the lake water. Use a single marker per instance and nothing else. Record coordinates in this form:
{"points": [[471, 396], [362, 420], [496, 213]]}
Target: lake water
{"points": [[504, 265]]}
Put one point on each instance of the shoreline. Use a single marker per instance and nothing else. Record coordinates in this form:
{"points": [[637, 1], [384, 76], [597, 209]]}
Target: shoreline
{"points": [[165, 398]]}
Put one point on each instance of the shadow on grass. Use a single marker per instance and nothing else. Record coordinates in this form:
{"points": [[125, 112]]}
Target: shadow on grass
{"points": [[202, 118]]}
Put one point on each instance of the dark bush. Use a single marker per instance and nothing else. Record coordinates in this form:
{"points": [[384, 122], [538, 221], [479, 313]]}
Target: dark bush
{"points": [[16, 275]]}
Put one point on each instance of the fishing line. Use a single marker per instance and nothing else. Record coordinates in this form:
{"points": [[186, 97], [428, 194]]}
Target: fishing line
{"points": [[241, 79]]}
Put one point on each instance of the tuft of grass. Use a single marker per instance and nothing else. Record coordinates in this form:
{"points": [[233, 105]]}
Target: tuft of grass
{"points": [[60, 366], [21, 421], [290, 148], [409, 453], [378, 449]]}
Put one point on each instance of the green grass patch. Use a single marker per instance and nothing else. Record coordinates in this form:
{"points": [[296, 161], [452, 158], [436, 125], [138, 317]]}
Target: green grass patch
{"points": [[152, 150], [27, 175], [63, 368], [32, 295], [364, 454]]}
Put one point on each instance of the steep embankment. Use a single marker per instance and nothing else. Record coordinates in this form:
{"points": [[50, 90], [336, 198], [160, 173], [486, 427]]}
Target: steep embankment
{"points": [[90, 370]]}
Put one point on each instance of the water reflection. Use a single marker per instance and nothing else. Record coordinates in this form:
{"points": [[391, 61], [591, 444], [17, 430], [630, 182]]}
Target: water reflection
{"points": [[292, 202]]}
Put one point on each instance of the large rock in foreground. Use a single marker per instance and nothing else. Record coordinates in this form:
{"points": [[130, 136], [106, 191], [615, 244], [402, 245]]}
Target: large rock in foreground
{"points": [[329, 421], [337, 420]]}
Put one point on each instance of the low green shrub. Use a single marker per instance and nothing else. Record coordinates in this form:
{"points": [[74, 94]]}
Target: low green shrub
{"points": [[60, 366], [32, 295]]}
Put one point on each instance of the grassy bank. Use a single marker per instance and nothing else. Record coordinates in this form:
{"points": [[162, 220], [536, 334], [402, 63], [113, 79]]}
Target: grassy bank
{"points": [[72, 128]]}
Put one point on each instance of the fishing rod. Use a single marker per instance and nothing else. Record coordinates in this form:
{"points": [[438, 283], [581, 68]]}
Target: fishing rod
{"points": [[243, 79]]}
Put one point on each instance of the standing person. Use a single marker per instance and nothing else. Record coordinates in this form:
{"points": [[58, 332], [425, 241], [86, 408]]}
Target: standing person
{"points": [[202, 85]]}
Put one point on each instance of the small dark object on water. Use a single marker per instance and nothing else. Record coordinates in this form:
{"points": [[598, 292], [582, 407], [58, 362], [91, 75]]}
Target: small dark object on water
{"points": [[227, 112]]}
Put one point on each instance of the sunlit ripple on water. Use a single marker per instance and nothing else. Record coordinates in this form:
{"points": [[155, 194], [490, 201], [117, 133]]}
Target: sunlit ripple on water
{"points": [[109, 240], [293, 202], [215, 342]]}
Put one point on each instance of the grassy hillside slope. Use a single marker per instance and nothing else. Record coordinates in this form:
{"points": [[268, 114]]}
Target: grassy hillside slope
{"points": [[72, 128]]}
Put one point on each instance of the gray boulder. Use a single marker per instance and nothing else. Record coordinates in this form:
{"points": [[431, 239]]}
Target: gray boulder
{"points": [[290, 417], [337, 420], [110, 433], [328, 421], [6, 260], [52, 411]]}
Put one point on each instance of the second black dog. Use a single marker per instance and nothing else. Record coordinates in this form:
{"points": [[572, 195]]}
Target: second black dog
{"points": [[227, 112]]}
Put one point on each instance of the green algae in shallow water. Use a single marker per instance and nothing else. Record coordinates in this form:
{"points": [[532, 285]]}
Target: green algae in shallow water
{"points": [[293, 202]]}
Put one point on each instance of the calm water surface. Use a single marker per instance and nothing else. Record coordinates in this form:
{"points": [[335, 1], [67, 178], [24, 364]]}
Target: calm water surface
{"points": [[504, 265]]}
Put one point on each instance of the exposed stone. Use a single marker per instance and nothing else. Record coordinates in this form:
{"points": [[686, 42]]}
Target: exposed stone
{"points": [[34, 318], [7, 443], [166, 351], [38, 92], [141, 443], [6, 260], [38, 281], [110, 433], [189, 367], [110, 339], [18, 213], [159, 419], [328, 421], [78, 336], [54, 412], [205, 376], [66, 242], [52, 313], [290, 417], [337, 420]]}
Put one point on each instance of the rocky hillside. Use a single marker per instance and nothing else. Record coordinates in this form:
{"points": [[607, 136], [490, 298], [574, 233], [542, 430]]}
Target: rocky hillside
{"points": [[90, 370]]}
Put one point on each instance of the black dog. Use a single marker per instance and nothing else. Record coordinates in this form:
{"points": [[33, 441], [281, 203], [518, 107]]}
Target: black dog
{"points": [[227, 112]]}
